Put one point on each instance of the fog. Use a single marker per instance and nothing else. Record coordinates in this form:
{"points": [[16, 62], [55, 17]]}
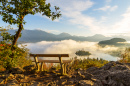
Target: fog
{"points": [[70, 47]]}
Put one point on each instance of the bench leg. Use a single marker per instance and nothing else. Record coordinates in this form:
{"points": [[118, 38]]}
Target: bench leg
{"points": [[37, 65], [36, 61], [41, 69], [65, 68], [62, 69]]}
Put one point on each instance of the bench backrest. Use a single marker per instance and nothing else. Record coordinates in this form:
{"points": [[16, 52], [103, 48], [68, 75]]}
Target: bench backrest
{"points": [[49, 55]]}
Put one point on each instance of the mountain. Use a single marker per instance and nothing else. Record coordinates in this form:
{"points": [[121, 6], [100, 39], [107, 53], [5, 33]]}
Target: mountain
{"points": [[63, 35], [97, 38], [39, 35]]}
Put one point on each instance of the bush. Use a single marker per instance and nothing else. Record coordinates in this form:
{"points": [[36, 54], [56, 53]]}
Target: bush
{"points": [[125, 56], [19, 56]]}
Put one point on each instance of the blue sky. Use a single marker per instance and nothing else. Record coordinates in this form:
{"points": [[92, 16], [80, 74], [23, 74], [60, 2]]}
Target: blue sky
{"points": [[84, 18]]}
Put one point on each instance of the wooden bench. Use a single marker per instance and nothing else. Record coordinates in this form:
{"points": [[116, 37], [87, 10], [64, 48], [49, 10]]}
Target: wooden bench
{"points": [[63, 63]]}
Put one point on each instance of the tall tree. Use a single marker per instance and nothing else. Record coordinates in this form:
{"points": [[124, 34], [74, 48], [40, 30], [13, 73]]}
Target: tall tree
{"points": [[14, 11]]}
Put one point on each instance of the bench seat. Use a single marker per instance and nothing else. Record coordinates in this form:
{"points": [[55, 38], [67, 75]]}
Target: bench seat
{"points": [[54, 61]]}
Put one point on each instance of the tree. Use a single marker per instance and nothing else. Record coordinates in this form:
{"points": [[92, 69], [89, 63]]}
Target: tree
{"points": [[83, 53], [14, 11]]}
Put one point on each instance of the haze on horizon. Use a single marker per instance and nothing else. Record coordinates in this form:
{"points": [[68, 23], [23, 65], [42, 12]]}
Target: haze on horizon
{"points": [[84, 18]]}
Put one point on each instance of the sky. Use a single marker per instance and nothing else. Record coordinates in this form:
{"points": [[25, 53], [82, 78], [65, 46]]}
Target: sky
{"points": [[83, 18]]}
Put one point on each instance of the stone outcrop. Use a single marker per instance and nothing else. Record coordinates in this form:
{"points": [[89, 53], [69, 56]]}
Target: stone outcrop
{"points": [[111, 74]]}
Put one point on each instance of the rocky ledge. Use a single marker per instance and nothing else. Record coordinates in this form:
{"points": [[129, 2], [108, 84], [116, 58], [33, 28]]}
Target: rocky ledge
{"points": [[111, 74]]}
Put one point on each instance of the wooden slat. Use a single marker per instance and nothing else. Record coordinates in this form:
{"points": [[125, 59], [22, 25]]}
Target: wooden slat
{"points": [[50, 55], [55, 61]]}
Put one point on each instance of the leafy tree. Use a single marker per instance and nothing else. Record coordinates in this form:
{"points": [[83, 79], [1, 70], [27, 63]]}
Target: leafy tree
{"points": [[14, 11], [19, 54], [83, 53]]}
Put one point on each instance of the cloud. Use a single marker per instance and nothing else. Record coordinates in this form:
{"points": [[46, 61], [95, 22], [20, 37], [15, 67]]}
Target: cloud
{"points": [[113, 8], [73, 12], [70, 47], [123, 25], [108, 8], [72, 5]]}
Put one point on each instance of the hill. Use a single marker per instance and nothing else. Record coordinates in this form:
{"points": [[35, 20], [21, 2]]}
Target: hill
{"points": [[113, 41]]}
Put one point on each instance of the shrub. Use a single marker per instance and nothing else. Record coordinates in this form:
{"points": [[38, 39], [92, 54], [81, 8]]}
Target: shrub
{"points": [[125, 56], [11, 58], [19, 56], [86, 63]]}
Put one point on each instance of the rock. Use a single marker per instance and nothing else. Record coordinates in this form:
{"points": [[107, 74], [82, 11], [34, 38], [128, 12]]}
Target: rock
{"points": [[51, 84], [128, 64], [31, 69], [34, 83], [86, 83], [91, 69], [118, 68], [26, 84], [13, 81], [19, 76], [2, 81], [100, 74], [63, 81], [10, 76], [27, 68], [12, 84], [87, 76], [16, 70], [70, 82], [121, 77], [108, 65], [98, 83], [111, 74]]}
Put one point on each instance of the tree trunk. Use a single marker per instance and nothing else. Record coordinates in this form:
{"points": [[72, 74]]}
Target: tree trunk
{"points": [[17, 34], [14, 42]]}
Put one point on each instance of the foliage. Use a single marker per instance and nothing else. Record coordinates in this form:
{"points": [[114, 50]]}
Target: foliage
{"points": [[21, 8], [86, 63], [125, 56], [14, 11], [82, 53], [6, 37], [19, 54]]}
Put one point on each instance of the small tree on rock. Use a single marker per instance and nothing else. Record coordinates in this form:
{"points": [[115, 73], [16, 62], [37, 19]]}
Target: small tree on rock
{"points": [[83, 53]]}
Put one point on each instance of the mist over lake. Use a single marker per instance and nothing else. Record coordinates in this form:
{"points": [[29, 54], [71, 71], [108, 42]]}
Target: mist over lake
{"points": [[70, 47]]}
